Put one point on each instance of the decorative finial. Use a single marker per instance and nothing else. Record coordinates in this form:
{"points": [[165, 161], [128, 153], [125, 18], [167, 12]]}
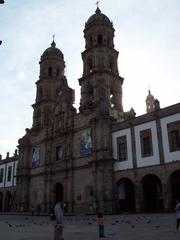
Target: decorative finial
{"points": [[53, 44]]}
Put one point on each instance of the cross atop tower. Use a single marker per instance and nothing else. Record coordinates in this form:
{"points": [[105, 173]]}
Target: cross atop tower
{"points": [[97, 3], [53, 44]]}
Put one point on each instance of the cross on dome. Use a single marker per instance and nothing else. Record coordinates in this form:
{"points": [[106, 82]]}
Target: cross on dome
{"points": [[53, 44], [97, 3]]}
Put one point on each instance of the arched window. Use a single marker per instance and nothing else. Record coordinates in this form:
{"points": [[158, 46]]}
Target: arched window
{"points": [[50, 71], [91, 42], [57, 72], [90, 93], [100, 40], [111, 65], [90, 65], [40, 93], [112, 100], [108, 41]]}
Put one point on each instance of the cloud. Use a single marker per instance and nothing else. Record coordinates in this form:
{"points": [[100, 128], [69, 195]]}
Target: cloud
{"points": [[21, 75]]}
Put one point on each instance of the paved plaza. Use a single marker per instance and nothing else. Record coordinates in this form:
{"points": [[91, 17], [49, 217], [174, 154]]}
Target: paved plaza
{"points": [[117, 227]]}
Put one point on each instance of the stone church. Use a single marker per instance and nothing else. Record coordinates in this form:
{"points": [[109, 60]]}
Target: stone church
{"points": [[90, 159]]}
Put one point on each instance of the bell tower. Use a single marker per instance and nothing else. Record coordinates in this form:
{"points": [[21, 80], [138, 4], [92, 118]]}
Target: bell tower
{"points": [[51, 78], [101, 84]]}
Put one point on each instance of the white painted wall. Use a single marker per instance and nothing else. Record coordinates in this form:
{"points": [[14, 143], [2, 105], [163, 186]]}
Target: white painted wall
{"points": [[3, 167], [154, 159], [125, 164], [169, 156]]}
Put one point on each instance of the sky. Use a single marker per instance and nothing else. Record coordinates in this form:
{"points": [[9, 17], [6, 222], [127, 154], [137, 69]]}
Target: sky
{"points": [[147, 36]]}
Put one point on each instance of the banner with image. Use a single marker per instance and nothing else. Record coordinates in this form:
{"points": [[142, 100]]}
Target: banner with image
{"points": [[35, 157], [86, 142]]}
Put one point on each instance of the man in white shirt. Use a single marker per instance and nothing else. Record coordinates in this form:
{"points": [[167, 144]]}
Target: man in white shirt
{"points": [[177, 209], [58, 226]]}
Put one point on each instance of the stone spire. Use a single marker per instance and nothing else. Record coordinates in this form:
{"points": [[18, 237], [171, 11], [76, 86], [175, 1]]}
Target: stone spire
{"points": [[150, 106]]}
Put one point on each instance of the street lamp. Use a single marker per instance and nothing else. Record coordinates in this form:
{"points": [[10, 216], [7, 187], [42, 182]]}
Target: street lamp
{"points": [[1, 2]]}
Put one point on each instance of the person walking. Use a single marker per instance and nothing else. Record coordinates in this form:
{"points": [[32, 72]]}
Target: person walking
{"points": [[58, 226], [100, 221], [177, 209]]}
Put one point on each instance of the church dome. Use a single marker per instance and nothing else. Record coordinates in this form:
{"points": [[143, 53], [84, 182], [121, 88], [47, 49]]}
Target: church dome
{"points": [[52, 52], [98, 17]]}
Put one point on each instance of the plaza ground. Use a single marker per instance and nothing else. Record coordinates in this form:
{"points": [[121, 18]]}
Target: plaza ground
{"points": [[117, 227]]}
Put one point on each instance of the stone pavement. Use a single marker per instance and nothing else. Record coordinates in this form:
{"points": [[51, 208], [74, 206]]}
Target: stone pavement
{"points": [[117, 227]]}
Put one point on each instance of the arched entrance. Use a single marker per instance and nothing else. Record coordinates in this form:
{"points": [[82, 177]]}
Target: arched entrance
{"points": [[1, 202], [152, 193], [8, 201], [126, 197], [175, 186], [58, 192], [14, 202]]}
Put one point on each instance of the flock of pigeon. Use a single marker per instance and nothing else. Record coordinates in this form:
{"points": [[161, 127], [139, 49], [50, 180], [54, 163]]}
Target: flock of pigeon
{"points": [[27, 222], [110, 221]]}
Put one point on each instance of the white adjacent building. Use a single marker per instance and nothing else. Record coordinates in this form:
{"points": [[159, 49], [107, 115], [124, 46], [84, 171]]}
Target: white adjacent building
{"points": [[146, 152], [8, 168]]}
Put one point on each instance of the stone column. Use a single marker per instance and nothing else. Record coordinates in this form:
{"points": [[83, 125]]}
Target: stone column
{"points": [[138, 195]]}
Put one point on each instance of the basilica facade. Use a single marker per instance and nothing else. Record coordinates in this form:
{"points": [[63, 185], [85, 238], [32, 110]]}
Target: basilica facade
{"points": [[99, 158]]}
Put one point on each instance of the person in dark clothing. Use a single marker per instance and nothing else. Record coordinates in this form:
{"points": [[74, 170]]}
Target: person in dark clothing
{"points": [[100, 221]]}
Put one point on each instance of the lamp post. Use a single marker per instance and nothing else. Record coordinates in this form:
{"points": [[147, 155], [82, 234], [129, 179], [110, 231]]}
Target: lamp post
{"points": [[1, 2]]}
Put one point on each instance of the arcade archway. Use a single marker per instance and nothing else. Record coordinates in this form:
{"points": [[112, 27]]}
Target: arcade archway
{"points": [[1, 202], [175, 186], [152, 193], [8, 201], [126, 196]]}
